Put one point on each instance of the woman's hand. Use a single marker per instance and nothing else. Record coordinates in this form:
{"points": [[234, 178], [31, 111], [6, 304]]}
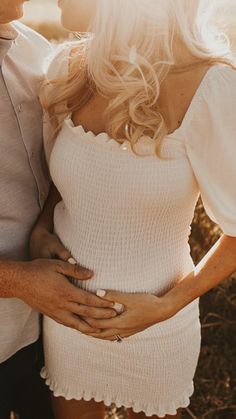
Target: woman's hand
{"points": [[140, 312], [45, 245]]}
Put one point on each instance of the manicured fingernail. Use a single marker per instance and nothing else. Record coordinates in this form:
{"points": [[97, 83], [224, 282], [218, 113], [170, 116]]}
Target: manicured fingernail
{"points": [[118, 307], [101, 293], [72, 261]]}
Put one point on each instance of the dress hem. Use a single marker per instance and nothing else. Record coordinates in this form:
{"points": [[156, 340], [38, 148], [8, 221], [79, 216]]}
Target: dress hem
{"points": [[147, 408]]}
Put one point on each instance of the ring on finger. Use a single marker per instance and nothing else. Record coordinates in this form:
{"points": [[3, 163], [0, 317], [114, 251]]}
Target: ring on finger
{"points": [[119, 339]]}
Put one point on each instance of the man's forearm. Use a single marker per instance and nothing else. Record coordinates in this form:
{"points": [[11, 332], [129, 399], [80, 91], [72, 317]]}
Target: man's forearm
{"points": [[11, 278], [218, 264]]}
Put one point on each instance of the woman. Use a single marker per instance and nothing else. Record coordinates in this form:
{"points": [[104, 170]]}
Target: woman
{"points": [[141, 115]]}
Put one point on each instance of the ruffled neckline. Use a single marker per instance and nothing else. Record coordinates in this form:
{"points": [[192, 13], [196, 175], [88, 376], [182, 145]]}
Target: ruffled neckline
{"points": [[145, 147]]}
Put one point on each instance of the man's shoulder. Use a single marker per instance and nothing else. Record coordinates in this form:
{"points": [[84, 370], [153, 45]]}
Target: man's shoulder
{"points": [[30, 36]]}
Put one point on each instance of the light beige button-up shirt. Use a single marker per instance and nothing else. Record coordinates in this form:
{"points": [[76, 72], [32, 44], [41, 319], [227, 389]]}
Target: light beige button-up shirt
{"points": [[23, 174]]}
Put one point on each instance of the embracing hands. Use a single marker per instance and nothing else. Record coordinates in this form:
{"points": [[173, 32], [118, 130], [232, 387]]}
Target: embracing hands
{"points": [[45, 285], [141, 311], [92, 315]]}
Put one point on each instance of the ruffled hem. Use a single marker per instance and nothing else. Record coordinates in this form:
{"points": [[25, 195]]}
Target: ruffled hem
{"points": [[137, 406]]}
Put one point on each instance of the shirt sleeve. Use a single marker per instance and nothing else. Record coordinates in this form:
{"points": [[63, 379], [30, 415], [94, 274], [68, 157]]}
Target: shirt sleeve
{"points": [[210, 139]]}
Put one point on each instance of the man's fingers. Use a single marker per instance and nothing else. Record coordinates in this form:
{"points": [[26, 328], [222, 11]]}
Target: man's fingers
{"points": [[119, 298], [89, 312], [88, 299], [76, 271], [74, 322], [115, 323]]}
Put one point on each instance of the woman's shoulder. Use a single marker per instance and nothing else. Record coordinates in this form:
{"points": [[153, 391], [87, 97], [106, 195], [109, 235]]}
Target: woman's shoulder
{"points": [[215, 98], [219, 86], [219, 78]]}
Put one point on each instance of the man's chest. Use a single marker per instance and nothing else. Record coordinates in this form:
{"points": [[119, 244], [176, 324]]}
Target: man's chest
{"points": [[21, 156]]}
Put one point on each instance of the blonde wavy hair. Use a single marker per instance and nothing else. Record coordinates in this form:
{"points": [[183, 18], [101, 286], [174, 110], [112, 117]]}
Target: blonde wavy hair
{"points": [[131, 48]]}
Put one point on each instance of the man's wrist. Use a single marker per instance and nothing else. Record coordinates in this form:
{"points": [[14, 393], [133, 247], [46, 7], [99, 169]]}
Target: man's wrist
{"points": [[13, 276]]}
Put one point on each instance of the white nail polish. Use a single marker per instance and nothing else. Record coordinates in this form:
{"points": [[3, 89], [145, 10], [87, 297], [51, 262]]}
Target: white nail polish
{"points": [[119, 308], [72, 261], [101, 293]]}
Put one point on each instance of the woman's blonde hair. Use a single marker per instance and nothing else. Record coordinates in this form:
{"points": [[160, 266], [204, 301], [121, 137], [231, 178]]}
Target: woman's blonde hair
{"points": [[132, 46]]}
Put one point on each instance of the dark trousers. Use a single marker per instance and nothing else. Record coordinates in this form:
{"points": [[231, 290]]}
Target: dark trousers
{"points": [[21, 388]]}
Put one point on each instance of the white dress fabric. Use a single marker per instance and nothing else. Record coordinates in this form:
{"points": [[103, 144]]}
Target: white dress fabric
{"points": [[128, 218]]}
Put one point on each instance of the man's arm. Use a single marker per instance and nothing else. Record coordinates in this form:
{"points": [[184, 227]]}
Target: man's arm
{"points": [[42, 284], [43, 243]]}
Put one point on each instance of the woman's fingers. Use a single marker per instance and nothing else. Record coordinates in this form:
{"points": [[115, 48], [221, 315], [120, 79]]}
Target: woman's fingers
{"points": [[57, 250], [111, 334]]}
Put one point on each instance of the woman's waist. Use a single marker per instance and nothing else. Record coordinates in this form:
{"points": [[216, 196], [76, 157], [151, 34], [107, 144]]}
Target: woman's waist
{"points": [[116, 263], [122, 239], [147, 279]]}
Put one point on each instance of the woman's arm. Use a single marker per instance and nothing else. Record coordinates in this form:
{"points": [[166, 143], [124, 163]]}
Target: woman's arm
{"points": [[144, 310], [43, 243], [218, 264]]}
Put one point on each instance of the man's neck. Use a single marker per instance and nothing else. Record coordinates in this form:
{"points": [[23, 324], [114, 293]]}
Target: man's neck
{"points": [[7, 31]]}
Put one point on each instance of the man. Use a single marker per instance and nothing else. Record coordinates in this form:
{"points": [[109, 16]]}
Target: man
{"points": [[27, 288]]}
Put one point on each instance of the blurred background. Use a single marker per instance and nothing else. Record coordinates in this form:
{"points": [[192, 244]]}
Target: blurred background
{"points": [[215, 381], [45, 16]]}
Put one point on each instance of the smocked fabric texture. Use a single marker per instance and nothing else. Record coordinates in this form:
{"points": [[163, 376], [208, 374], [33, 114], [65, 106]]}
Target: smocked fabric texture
{"points": [[128, 219]]}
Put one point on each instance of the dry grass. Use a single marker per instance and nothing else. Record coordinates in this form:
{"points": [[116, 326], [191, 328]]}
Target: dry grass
{"points": [[215, 380]]}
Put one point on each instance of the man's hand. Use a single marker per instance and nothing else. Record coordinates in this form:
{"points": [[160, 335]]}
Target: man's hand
{"points": [[43, 285]]}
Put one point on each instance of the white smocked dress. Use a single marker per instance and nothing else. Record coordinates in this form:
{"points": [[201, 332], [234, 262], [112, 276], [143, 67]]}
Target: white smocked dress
{"points": [[128, 219]]}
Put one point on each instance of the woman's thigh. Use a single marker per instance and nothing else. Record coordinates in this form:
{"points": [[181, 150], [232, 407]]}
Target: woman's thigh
{"points": [[77, 409]]}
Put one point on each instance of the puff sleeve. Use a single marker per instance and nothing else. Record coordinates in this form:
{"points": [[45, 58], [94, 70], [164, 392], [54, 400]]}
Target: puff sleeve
{"points": [[210, 140]]}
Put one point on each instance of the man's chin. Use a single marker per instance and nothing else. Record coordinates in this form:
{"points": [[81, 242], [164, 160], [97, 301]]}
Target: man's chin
{"points": [[18, 14]]}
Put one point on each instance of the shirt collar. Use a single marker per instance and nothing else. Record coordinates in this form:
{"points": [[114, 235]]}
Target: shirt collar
{"points": [[7, 35], [8, 32]]}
